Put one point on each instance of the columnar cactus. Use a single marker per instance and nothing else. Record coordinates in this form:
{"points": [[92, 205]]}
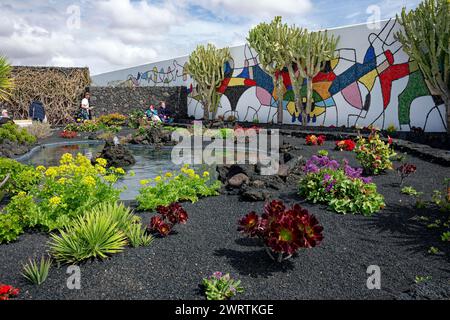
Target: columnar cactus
{"points": [[311, 50], [271, 43], [426, 39], [6, 81], [206, 66]]}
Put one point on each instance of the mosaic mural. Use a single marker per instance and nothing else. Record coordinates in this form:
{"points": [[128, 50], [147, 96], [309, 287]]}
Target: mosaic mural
{"points": [[371, 82]]}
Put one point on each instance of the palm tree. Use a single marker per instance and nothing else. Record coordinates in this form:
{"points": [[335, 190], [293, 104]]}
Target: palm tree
{"points": [[6, 81]]}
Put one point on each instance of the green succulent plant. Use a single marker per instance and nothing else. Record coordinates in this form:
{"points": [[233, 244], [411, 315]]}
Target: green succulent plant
{"points": [[206, 66]]}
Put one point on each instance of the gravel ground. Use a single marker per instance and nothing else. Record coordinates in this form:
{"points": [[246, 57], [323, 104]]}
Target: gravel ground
{"points": [[173, 267]]}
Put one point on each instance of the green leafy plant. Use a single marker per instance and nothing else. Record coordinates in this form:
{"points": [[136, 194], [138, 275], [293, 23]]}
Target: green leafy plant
{"points": [[12, 132], [137, 235], [323, 153], [21, 177], [374, 154], [37, 272], [391, 129], [433, 250], [446, 236], [420, 279], [206, 65], [221, 287], [410, 191], [174, 187], [10, 228], [94, 235], [135, 118], [442, 198], [113, 119]]}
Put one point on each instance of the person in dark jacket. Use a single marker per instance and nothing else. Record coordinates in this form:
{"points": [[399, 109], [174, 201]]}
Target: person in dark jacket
{"points": [[164, 113], [37, 111]]}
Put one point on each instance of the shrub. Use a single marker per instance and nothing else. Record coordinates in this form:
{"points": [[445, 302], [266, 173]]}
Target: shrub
{"points": [[95, 235], [40, 130], [64, 192], [21, 177], [135, 117], [168, 217], [12, 132], [391, 129], [345, 145], [323, 153], [405, 170], [174, 187], [113, 119], [137, 235], [221, 287], [283, 230], [36, 272], [374, 154], [7, 292], [10, 228], [313, 140], [340, 186]]}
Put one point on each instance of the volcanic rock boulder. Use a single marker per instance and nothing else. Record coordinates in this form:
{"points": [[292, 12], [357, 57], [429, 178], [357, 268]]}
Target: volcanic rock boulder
{"points": [[154, 135], [117, 155]]}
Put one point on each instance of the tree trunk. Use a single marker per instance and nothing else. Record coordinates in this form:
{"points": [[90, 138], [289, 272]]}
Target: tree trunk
{"points": [[280, 100], [309, 96]]}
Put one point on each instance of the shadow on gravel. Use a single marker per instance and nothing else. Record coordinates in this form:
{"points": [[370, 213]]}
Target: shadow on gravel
{"points": [[405, 225], [254, 263]]}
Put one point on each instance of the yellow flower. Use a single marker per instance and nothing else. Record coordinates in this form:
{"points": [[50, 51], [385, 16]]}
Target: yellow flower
{"points": [[88, 181], [40, 168], [144, 182], [62, 181], [66, 159], [22, 194], [100, 170], [120, 171], [102, 162], [169, 174], [205, 174], [196, 176], [110, 178], [158, 179], [54, 201], [51, 172]]}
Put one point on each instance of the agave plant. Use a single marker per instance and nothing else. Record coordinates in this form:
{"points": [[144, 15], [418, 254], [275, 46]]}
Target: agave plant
{"points": [[94, 235], [283, 230], [36, 272]]}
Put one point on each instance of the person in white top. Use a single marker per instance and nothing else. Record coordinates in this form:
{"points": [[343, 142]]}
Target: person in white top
{"points": [[85, 108]]}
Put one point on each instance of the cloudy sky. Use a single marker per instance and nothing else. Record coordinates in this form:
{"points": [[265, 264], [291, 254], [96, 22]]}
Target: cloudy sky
{"points": [[106, 35]]}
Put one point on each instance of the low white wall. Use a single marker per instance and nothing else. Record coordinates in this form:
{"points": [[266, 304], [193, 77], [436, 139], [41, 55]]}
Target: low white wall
{"points": [[372, 82]]}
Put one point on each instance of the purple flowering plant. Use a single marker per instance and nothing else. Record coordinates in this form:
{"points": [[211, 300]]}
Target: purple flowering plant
{"points": [[340, 186]]}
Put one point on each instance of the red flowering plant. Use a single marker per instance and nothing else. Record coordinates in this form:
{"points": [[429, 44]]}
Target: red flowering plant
{"points": [[405, 170], [313, 140], [168, 217], [283, 230], [345, 145], [7, 292], [68, 134]]}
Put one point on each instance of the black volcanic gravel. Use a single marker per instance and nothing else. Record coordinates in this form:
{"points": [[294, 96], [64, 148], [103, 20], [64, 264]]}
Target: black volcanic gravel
{"points": [[173, 267]]}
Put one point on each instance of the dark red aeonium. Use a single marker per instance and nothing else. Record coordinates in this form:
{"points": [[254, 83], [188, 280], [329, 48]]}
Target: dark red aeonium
{"points": [[283, 230]]}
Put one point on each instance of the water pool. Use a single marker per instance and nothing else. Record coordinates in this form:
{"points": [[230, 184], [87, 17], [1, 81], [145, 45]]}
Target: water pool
{"points": [[149, 162]]}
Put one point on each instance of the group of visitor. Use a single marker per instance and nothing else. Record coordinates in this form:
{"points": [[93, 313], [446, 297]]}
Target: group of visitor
{"points": [[160, 115]]}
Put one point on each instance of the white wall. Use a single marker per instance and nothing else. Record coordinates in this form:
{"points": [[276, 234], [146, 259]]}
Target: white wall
{"points": [[341, 96]]}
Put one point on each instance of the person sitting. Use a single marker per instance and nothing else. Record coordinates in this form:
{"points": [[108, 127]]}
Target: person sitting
{"points": [[164, 113], [36, 111], [152, 114], [5, 118]]}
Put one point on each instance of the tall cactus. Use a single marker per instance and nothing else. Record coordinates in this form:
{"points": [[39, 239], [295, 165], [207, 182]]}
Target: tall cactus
{"points": [[311, 50], [6, 81], [426, 39], [270, 40], [206, 66]]}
